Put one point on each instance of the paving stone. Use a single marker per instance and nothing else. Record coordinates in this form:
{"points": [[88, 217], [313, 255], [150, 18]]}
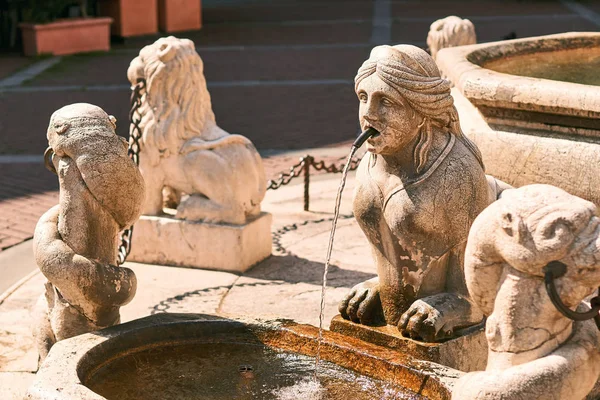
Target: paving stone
{"points": [[17, 351], [169, 289], [435, 9], [494, 30], [229, 65], [286, 11], [13, 385], [323, 32], [9, 64]]}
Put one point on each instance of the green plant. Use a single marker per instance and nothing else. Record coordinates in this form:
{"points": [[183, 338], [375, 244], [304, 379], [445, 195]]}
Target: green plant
{"points": [[42, 11]]}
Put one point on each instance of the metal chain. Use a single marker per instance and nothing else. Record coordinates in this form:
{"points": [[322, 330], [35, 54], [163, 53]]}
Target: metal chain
{"points": [[278, 234], [333, 168], [306, 162], [284, 179], [135, 134]]}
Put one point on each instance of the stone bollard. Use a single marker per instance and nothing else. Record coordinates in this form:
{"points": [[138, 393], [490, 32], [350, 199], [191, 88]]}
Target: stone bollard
{"points": [[214, 182], [535, 351], [76, 241]]}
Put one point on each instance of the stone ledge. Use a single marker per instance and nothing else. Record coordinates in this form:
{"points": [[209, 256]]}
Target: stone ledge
{"points": [[169, 241], [465, 353]]}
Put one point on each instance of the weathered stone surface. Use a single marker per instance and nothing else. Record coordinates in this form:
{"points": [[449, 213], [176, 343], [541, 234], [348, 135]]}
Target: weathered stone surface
{"points": [[75, 242], [171, 241], [63, 375], [418, 190], [18, 352], [451, 31], [521, 101], [165, 291], [289, 282], [183, 149], [182, 290], [535, 352], [13, 385], [520, 157], [529, 130], [451, 353]]}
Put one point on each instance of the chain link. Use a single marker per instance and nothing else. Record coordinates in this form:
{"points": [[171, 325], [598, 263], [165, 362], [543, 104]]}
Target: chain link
{"points": [[284, 178], [135, 134], [278, 234], [307, 162]]}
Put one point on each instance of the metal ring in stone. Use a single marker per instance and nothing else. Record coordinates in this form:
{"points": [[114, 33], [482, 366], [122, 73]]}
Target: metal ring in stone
{"points": [[48, 156], [554, 270]]}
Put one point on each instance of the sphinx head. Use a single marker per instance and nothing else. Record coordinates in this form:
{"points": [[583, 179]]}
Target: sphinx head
{"points": [[403, 96]]}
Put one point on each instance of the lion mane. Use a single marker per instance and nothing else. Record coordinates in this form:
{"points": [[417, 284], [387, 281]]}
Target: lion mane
{"points": [[182, 149], [176, 102]]}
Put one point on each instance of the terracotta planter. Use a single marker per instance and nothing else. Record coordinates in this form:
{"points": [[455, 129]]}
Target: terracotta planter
{"points": [[131, 17], [179, 15], [67, 36]]}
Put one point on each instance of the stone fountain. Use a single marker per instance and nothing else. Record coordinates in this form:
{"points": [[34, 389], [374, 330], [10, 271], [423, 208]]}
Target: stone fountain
{"points": [[174, 356], [532, 107], [452, 246]]}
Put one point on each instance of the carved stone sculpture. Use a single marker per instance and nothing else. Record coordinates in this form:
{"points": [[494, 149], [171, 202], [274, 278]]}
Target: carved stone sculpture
{"points": [[419, 188], [535, 352], [451, 31], [183, 149], [214, 180], [76, 242]]}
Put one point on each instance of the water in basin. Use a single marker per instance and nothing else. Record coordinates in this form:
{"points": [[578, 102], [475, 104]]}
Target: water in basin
{"points": [[240, 371], [572, 65]]}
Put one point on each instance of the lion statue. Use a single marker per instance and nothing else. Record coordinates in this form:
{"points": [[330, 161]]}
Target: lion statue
{"points": [[535, 352], [183, 150], [451, 31]]}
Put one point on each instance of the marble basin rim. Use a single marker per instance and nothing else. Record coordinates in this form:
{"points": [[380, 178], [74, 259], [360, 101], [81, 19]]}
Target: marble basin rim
{"points": [[72, 362], [525, 102]]}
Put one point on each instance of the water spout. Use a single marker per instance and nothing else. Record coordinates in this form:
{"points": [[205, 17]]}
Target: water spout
{"points": [[364, 136], [355, 146]]}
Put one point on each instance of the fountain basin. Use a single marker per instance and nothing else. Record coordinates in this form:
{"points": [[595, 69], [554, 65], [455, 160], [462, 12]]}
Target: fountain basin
{"points": [[541, 128], [182, 356]]}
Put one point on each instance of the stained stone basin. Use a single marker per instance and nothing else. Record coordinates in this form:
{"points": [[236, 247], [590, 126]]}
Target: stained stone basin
{"points": [[193, 356], [532, 106], [574, 65]]}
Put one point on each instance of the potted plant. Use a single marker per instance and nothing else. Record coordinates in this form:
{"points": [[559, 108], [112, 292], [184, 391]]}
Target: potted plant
{"points": [[179, 15], [131, 17], [47, 31]]}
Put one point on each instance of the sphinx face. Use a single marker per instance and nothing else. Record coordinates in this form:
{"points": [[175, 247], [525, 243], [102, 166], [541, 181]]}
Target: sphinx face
{"points": [[382, 108]]}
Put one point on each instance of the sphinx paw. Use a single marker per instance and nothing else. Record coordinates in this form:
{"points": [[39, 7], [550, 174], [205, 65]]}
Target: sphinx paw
{"points": [[438, 317], [362, 304], [422, 321]]}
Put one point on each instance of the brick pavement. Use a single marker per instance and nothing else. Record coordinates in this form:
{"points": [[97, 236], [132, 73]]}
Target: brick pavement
{"points": [[11, 63], [292, 41]]}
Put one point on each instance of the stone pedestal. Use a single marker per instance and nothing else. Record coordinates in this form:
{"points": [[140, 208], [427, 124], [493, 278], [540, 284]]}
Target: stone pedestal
{"points": [[168, 241], [466, 353]]}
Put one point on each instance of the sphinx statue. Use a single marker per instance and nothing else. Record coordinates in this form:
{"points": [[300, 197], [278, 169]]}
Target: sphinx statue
{"points": [[451, 31], [183, 150], [418, 189], [76, 242], [535, 351]]}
